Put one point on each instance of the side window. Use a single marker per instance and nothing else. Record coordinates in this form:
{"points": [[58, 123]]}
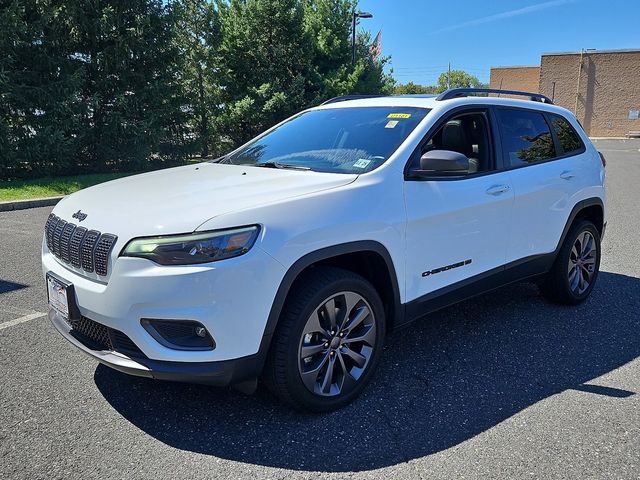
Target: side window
{"points": [[569, 140], [466, 133], [526, 137]]}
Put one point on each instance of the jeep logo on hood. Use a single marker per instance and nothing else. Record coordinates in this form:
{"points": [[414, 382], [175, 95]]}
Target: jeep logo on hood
{"points": [[79, 215]]}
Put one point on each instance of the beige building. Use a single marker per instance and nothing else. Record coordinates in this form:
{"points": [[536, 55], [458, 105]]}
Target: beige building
{"points": [[602, 87], [516, 78]]}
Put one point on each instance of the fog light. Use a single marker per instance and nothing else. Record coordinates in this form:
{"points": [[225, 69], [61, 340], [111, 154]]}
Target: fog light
{"points": [[179, 334]]}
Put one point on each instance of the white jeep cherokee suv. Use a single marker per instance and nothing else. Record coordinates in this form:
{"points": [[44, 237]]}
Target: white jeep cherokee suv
{"points": [[293, 257]]}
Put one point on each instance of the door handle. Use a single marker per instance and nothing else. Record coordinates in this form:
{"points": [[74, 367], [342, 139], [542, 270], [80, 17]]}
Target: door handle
{"points": [[498, 189], [567, 175]]}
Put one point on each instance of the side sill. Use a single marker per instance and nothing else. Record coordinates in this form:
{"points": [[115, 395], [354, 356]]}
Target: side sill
{"points": [[477, 285]]}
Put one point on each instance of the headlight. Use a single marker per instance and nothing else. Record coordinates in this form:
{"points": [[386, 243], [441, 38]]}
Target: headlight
{"points": [[194, 247]]}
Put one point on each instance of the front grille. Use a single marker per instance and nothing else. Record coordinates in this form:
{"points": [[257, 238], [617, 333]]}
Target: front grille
{"points": [[67, 232], [87, 249], [123, 344], [57, 236], [49, 229], [92, 334], [76, 246], [101, 252], [99, 337]]}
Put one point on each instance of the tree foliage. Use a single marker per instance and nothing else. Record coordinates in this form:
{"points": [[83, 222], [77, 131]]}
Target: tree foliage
{"points": [[119, 85], [411, 88], [197, 37], [459, 79]]}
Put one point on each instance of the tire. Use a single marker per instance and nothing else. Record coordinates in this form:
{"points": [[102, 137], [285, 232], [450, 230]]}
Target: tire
{"points": [[301, 380], [560, 285]]}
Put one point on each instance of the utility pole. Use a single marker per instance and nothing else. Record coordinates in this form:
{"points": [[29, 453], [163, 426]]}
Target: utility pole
{"points": [[575, 109], [582, 52], [449, 77]]}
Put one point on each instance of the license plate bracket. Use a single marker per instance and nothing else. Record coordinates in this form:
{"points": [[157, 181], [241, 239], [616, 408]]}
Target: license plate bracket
{"points": [[61, 296]]}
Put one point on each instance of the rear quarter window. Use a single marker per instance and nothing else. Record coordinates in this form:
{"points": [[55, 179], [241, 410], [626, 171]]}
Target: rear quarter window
{"points": [[569, 140]]}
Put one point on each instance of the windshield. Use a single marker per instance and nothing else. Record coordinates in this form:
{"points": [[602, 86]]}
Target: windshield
{"points": [[337, 140]]}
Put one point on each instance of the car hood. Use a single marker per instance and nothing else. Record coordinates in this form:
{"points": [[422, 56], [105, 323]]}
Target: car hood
{"points": [[178, 200]]}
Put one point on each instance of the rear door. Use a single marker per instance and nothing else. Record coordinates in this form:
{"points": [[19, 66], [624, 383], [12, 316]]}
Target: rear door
{"points": [[546, 158], [457, 227]]}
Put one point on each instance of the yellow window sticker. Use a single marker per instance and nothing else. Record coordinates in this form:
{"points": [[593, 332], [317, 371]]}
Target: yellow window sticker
{"points": [[391, 124], [399, 115]]}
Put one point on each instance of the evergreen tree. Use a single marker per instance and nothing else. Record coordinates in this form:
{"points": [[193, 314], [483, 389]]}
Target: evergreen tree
{"points": [[125, 84], [38, 84], [198, 38], [130, 83], [265, 60], [280, 56], [328, 23]]}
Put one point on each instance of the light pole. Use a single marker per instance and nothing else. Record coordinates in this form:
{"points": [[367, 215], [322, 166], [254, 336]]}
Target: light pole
{"points": [[354, 20], [582, 52]]}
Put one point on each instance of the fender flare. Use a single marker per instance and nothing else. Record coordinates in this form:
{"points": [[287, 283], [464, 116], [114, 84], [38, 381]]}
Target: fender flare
{"points": [[317, 256], [575, 211]]}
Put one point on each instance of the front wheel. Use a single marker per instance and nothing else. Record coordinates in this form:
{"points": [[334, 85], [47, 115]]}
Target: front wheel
{"points": [[576, 267], [328, 341]]}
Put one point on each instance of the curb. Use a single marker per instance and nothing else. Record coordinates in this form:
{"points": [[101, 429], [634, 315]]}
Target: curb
{"points": [[32, 203]]}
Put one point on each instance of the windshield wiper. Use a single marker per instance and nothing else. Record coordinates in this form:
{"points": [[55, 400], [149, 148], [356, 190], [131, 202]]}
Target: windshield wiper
{"points": [[218, 160], [272, 164]]}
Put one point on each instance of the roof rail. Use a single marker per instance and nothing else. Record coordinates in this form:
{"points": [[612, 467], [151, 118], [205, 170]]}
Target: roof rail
{"points": [[465, 92], [344, 98]]}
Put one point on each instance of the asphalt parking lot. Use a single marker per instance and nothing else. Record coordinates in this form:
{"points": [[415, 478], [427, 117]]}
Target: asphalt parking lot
{"points": [[503, 386]]}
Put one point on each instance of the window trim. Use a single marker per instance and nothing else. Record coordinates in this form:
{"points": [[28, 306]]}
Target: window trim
{"points": [[493, 137], [547, 118]]}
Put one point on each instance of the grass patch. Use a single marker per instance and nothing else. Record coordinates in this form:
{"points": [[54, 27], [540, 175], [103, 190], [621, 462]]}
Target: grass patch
{"points": [[52, 186]]}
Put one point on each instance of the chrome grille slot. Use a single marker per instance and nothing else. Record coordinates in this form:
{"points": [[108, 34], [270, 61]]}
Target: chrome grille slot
{"points": [[82, 248], [49, 229], [56, 237], [74, 246], [86, 251], [101, 253], [67, 232]]}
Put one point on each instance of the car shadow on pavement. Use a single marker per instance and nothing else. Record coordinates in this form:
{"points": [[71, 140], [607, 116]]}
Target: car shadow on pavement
{"points": [[7, 286], [442, 381]]}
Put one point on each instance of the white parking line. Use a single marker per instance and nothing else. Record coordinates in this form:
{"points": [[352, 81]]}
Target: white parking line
{"points": [[606, 150], [26, 318]]}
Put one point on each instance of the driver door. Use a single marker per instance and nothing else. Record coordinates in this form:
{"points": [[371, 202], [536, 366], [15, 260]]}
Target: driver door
{"points": [[457, 226]]}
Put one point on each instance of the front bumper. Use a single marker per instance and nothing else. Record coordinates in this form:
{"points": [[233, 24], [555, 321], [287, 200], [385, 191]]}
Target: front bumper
{"points": [[220, 373], [231, 298]]}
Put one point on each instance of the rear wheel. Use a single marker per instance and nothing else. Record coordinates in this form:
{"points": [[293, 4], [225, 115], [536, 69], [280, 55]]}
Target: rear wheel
{"points": [[328, 342], [576, 267]]}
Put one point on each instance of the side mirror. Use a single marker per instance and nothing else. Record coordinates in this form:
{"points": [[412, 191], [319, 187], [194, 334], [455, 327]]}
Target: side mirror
{"points": [[443, 162]]}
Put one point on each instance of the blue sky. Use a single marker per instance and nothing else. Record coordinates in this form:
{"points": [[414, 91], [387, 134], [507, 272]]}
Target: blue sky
{"points": [[422, 36]]}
